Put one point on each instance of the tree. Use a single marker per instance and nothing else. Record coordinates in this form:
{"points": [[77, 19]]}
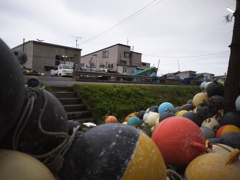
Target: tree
{"points": [[232, 83]]}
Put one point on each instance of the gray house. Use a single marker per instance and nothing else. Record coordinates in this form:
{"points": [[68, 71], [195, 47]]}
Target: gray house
{"points": [[43, 56], [118, 57]]}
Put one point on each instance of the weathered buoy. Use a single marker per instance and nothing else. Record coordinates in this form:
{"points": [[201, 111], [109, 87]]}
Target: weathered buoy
{"points": [[153, 108], [113, 151], [164, 107], [208, 132], [12, 91], [134, 114], [211, 166], [215, 88], [179, 140], [39, 133], [166, 115], [193, 117], [17, 165], [152, 119], [134, 121], [111, 119], [200, 98], [232, 117], [226, 129]]}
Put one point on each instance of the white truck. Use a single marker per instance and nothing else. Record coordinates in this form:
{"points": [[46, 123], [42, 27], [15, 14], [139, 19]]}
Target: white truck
{"points": [[63, 70]]}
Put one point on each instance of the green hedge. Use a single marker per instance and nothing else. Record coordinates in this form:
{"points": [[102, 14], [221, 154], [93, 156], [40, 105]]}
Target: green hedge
{"points": [[121, 100]]}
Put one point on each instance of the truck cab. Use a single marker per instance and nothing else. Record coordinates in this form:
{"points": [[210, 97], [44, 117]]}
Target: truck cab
{"points": [[65, 70]]}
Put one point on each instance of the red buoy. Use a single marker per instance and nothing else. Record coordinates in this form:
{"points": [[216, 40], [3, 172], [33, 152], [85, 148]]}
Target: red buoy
{"points": [[180, 140]]}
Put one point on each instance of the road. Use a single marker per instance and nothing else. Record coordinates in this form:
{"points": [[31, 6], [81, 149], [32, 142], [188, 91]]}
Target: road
{"points": [[66, 81]]}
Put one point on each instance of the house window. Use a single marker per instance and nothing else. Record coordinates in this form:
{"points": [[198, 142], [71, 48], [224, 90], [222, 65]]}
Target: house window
{"points": [[126, 54], [105, 54], [81, 64], [101, 66], [110, 66], [123, 62], [124, 69], [91, 65]]}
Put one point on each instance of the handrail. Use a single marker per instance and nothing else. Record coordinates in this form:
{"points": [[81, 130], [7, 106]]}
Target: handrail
{"points": [[117, 77]]}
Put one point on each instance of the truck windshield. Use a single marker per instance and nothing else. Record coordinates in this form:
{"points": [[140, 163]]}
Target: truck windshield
{"points": [[65, 66]]}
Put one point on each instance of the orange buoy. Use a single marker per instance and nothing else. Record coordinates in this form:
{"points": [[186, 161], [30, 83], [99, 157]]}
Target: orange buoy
{"points": [[111, 119]]}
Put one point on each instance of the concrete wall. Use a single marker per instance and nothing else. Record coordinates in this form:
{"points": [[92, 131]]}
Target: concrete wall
{"points": [[41, 55]]}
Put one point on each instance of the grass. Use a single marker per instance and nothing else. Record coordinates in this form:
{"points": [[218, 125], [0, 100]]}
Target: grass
{"points": [[121, 100]]}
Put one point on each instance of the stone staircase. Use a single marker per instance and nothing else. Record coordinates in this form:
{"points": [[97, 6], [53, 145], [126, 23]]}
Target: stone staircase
{"points": [[75, 107]]}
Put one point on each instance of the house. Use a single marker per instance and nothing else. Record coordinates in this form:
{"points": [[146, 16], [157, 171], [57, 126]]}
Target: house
{"points": [[181, 74], [119, 58], [43, 56], [206, 76]]}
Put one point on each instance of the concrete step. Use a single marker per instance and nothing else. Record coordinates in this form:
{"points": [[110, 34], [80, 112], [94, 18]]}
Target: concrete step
{"points": [[62, 88], [66, 101], [67, 94], [79, 115], [75, 107]]}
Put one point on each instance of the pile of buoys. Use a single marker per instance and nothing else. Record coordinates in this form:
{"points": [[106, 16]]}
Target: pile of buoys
{"points": [[37, 141]]}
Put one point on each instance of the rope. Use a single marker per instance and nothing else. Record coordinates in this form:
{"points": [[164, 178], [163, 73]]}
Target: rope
{"points": [[53, 159], [171, 172]]}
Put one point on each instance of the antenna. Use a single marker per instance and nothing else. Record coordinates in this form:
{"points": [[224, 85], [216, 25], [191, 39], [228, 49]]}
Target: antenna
{"points": [[76, 37]]}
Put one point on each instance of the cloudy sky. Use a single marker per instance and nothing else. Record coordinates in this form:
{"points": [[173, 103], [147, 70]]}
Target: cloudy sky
{"points": [[171, 34]]}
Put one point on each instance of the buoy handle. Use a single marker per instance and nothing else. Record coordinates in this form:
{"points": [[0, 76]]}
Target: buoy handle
{"points": [[233, 156], [198, 146]]}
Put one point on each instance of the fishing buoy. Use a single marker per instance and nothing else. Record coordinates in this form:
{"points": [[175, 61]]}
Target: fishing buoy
{"points": [[153, 108], [215, 103], [164, 107], [17, 165], [140, 114], [111, 119], [215, 88], [181, 112], [221, 149], [232, 117], [176, 109], [39, 133], [208, 132], [237, 103], [134, 114], [189, 101], [211, 166], [203, 111], [188, 107], [113, 151], [231, 139], [206, 85], [166, 115], [200, 98], [226, 129], [202, 84], [179, 140], [193, 117], [152, 119], [211, 123], [134, 121], [72, 124], [12, 91]]}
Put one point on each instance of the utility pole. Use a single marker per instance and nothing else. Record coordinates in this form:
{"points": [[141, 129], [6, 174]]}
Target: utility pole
{"points": [[76, 37]]}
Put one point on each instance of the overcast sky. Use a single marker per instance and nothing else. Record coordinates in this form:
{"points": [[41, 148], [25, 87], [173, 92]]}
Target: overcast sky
{"points": [[174, 34]]}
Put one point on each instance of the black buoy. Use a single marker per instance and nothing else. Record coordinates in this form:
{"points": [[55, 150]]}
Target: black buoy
{"points": [[12, 91]]}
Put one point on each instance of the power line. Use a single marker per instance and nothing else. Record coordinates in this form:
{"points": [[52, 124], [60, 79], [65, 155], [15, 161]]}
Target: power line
{"points": [[158, 56], [148, 6]]}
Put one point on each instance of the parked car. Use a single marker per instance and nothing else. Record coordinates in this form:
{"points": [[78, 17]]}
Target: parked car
{"points": [[62, 70]]}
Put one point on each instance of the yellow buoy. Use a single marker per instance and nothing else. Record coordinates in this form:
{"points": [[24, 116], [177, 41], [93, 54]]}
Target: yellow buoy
{"points": [[211, 166], [200, 98], [17, 165]]}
